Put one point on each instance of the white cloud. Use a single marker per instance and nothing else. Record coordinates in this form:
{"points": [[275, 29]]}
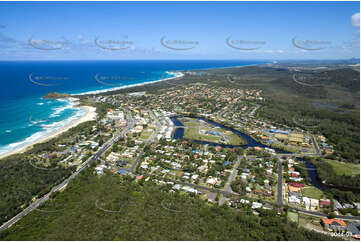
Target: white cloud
{"points": [[355, 20], [82, 40]]}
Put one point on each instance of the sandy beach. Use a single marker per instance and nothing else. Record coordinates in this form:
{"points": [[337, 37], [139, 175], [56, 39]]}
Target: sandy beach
{"points": [[178, 75], [89, 115]]}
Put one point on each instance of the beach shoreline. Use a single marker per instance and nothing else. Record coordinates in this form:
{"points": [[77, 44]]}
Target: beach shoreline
{"points": [[178, 75], [89, 115]]}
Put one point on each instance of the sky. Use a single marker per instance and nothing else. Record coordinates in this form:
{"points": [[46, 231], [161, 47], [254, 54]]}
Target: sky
{"points": [[179, 30]]}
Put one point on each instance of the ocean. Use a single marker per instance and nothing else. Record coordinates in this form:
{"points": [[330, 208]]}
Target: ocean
{"points": [[25, 116]]}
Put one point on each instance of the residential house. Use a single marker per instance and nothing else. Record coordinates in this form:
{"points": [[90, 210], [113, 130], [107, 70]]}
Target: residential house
{"points": [[306, 201], [354, 228], [256, 205], [212, 197], [336, 225], [314, 203], [325, 203], [336, 205], [294, 199]]}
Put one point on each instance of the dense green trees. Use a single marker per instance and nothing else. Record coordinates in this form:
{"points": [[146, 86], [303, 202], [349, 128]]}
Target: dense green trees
{"points": [[21, 181], [146, 212], [342, 130]]}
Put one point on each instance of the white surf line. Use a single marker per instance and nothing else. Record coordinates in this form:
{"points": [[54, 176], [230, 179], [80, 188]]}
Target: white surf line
{"points": [[180, 74]]}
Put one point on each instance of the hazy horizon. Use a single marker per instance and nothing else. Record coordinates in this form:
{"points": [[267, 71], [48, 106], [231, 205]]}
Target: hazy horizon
{"points": [[179, 30]]}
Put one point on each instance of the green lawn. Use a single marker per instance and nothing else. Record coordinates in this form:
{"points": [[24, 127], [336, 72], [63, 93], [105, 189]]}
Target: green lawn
{"points": [[342, 168], [191, 132], [312, 192], [146, 134], [235, 139], [292, 216]]}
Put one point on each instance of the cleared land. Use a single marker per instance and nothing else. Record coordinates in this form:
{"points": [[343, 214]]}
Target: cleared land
{"points": [[342, 168], [201, 130], [146, 134], [312, 192], [292, 216]]}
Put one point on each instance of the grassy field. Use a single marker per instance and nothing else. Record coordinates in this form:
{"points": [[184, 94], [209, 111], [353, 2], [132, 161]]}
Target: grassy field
{"points": [[145, 134], [310, 222], [312, 192], [192, 133], [342, 168], [292, 216], [195, 131], [235, 139]]}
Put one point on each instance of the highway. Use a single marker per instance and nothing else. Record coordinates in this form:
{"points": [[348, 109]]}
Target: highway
{"points": [[58, 187]]}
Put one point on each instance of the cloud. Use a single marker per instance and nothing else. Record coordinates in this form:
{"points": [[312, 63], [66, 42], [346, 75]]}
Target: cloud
{"points": [[82, 40], [269, 51], [6, 39], [355, 20]]}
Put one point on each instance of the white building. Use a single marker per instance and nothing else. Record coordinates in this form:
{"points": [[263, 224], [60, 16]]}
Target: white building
{"points": [[306, 201], [256, 205]]}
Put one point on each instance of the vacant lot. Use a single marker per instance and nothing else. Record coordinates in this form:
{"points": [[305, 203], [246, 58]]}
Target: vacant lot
{"points": [[292, 216], [342, 168], [146, 134], [196, 130], [312, 192]]}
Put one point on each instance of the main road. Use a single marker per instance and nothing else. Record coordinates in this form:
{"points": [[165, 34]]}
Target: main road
{"points": [[58, 187], [279, 183], [149, 141]]}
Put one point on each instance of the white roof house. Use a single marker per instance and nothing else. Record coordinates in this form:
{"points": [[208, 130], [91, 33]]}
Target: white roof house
{"points": [[195, 176], [314, 202], [307, 202], [212, 180], [256, 205], [294, 199]]}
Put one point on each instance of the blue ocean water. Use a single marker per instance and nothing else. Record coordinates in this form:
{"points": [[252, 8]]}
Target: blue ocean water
{"points": [[25, 116]]}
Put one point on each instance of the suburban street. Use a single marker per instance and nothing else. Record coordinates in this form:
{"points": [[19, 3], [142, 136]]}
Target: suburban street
{"points": [[279, 183], [315, 145], [227, 187], [149, 141]]}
